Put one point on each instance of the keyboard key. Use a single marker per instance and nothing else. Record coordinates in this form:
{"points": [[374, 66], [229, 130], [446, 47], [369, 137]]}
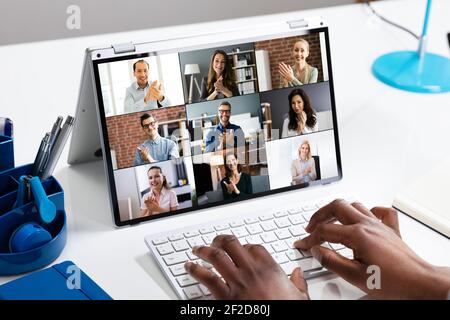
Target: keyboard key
{"points": [[309, 264], [268, 225], [280, 214], [236, 223], [306, 253], [206, 230], [164, 249], [190, 234], [295, 210], [251, 220], [175, 237], [242, 240], [268, 247], [337, 246], [310, 207], [280, 257], [175, 258], [254, 239], [221, 227], [265, 217], [205, 264], [297, 231], [254, 229], [193, 292], [288, 267], [178, 269], [209, 238], [326, 245], [180, 245], [282, 234], [279, 246], [346, 252], [290, 243], [225, 232], [304, 264], [268, 237], [296, 219], [308, 215], [283, 222], [186, 280], [294, 255], [197, 241], [240, 232], [191, 256], [204, 290], [158, 241]]}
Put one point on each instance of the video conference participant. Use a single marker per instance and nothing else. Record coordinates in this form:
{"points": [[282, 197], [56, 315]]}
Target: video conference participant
{"points": [[303, 169], [160, 198], [236, 184], [221, 80], [301, 72], [144, 95], [155, 148], [301, 117], [225, 134]]}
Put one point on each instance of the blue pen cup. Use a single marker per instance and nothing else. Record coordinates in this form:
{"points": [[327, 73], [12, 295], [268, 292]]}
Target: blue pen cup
{"points": [[6, 153], [12, 218]]}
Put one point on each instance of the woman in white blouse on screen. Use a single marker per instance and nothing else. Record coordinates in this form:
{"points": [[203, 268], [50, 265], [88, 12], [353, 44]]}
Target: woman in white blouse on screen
{"points": [[303, 169], [160, 198]]}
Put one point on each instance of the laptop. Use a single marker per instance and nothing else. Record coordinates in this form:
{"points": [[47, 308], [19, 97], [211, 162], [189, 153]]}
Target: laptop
{"points": [[241, 110]]}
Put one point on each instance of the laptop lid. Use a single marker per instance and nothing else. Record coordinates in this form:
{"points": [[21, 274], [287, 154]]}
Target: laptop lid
{"points": [[203, 119]]}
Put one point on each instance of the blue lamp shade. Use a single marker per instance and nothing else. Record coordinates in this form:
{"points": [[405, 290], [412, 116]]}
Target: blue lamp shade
{"points": [[405, 70]]}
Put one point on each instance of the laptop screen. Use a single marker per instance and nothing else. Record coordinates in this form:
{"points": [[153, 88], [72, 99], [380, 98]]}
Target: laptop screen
{"points": [[193, 128]]}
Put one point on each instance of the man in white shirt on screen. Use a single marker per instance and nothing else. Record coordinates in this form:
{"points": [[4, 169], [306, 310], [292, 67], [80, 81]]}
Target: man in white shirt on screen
{"points": [[144, 95]]}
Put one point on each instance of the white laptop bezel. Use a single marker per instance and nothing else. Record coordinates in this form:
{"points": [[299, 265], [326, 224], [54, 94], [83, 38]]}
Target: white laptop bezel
{"points": [[88, 139]]}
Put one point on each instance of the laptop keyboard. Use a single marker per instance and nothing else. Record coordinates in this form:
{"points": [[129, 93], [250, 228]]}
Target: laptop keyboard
{"points": [[276, 231]]}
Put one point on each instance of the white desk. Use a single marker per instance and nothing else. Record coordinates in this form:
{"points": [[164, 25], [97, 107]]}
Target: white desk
{"points": [[387, 136]]}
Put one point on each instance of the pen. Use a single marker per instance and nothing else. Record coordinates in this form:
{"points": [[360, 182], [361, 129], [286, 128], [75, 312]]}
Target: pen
{"points": [[55, 130], [57, 148], [42, 155]]}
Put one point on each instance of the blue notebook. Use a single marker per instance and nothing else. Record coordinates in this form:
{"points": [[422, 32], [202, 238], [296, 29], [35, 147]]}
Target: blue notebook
{"points": [[63, 281]]}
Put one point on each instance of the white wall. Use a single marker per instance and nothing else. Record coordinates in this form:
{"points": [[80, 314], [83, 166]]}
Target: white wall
{"points": [[126, 188], [280, 154]]}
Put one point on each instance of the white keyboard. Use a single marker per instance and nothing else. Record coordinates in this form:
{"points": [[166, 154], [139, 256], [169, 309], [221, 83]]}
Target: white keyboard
{"points": [[276, 231]]}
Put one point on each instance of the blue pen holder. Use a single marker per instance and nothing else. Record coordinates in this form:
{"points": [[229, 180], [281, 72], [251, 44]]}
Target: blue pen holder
{"points": [[12, 218], [6, 153]]}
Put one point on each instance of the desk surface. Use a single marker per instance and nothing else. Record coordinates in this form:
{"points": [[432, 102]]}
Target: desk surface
{"points": [[387, 138]]}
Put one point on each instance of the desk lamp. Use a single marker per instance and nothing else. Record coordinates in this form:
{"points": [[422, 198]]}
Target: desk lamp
{"points": [[417, 71]]}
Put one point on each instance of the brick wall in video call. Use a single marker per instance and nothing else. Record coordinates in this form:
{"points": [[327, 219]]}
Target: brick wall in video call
{"points": [[280, 50], [125, 132]]}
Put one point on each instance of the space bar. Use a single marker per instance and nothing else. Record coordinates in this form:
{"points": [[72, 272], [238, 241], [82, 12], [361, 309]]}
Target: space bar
{"points": [[306, 265]]}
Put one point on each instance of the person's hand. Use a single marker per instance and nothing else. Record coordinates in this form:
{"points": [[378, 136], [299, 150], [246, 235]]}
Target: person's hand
{"points": [[218, 85], [155, 92], [145, 154], [229, 186], [307, 170], [249, 272], [229, 138], [374, 237], [286, 71], [151, 204]]}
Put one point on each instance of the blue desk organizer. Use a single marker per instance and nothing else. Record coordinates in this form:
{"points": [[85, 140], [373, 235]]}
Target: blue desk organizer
{"points": [[11, 219]]}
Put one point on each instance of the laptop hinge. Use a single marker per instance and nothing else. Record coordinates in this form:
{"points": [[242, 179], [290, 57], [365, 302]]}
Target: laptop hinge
{"points": [[294, 24], [124, 47]]}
